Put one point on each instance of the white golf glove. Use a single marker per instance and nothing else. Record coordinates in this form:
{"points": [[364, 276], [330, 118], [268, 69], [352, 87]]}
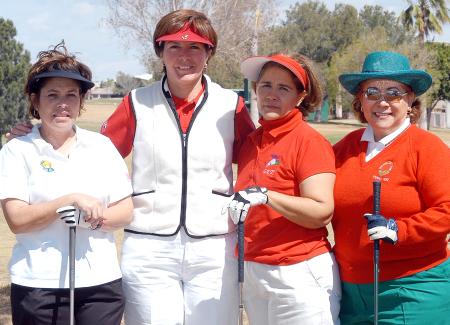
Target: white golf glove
{"points": [[378, 227], [242, 201], [73, 216]]}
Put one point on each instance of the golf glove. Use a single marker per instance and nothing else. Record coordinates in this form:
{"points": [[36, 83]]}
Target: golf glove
{"points": [[378, 227], [73, 216], [242, 201]]}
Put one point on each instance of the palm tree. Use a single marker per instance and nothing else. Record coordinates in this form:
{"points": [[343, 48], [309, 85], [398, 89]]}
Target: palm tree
{"points": [[425, 16]]}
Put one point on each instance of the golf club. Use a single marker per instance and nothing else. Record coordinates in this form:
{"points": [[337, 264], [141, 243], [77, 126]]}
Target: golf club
{"points": [[376, 250], [72, 238], [241, 269]]}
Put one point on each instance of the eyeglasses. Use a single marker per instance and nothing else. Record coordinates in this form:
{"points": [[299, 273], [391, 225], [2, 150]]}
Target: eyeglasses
{"points": [[390, 95]]}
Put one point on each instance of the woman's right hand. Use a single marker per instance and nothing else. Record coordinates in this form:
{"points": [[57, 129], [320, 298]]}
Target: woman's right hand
{"points": [[20, 129], [92, 208]]}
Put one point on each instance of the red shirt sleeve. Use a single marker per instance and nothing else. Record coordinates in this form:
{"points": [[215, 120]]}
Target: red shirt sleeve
{"points": [[243, 126], [314, 157], [120, 127]]}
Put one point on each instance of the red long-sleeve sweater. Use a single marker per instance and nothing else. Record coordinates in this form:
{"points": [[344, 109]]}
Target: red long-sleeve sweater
{"points": [[415, 176]]}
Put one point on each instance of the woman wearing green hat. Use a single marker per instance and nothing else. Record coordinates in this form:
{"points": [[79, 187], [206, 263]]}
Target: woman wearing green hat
{"points": [[413, 168]]}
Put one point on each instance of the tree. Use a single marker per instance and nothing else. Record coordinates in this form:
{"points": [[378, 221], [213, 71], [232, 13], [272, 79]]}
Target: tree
{"points": [[425, 17], [14, 65], [234, 22], [125, 83], [442, 67], [313, 30], [376, 16], [440, 89]]}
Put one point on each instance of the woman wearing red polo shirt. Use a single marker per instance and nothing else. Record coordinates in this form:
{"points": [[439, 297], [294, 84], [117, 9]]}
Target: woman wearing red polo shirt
{"points": [[286, 173]]}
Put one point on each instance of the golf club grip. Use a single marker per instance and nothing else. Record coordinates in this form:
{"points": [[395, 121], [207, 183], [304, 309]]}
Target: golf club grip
{"points": [[376, 197], [240, 252]]}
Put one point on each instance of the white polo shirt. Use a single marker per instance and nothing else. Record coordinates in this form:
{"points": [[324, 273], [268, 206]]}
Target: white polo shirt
{"points": [[32, 171]]}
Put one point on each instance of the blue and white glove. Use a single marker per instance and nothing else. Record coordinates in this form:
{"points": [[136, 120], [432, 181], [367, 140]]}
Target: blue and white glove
{"points": [[243, 200], [378, 227], [73, 216]]}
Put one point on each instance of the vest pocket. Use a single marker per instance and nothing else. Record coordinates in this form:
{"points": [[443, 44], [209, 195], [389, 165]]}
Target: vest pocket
{"points": [[143, 203], [221, 194], [142, 193]]}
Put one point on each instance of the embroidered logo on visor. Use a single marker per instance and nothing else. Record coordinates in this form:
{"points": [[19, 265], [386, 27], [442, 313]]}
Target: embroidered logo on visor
{"points": [[47, 166]]}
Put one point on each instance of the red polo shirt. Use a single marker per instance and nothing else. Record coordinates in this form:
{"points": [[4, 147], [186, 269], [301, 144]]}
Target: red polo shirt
{"points": [[280, 155]]}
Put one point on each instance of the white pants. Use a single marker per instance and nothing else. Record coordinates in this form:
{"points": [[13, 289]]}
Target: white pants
{"points": [[306, 293], [179, 280]]}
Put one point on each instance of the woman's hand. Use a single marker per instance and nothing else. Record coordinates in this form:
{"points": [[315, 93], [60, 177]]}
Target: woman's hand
{"points": [[243, 200], [92, 209], [18, 130]]}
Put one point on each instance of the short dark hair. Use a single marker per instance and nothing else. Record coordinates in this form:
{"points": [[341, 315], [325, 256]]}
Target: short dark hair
{"points": [[56, 59]]}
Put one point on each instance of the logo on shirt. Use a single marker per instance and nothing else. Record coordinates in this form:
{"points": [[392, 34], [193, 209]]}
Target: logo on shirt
{"points": [[103, 126], [47, 165], [274, 161], [384, 170]]}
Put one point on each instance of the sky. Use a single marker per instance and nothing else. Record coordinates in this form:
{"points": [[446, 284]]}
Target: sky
{"points": [[81, 23]]}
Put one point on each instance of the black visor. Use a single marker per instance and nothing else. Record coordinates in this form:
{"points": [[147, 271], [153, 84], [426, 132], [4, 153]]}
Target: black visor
{"points": [[86, 84]]}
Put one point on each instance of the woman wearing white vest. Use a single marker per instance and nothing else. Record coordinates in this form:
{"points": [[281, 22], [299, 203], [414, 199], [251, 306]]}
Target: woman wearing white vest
{"points": [[184, 131], [56, 165]]}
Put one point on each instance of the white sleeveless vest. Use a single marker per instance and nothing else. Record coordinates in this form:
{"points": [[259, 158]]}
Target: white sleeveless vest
{"points": [[182, 182]]}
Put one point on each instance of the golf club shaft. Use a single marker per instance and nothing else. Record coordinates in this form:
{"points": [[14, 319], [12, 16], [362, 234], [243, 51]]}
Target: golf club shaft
{"points": [[72, 274], [241, 270], [376, 251]]}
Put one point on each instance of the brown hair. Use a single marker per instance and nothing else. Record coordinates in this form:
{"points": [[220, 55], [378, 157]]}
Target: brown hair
{"points": [[313, 98], [414, 113], [175, 20], [56, 59]]}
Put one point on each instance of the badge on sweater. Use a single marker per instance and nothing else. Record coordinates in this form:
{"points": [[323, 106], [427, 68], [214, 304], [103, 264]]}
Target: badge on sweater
{"points": [[384, 170]]}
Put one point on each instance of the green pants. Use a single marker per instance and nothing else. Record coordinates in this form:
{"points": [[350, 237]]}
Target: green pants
{"points": [[419, 299]]}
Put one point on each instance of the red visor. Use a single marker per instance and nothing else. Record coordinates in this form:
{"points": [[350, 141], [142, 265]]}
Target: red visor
{"points": [[185, 34], [251, 67]]}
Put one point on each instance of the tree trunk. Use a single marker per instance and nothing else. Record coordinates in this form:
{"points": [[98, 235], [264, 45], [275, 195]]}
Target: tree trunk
{"points": [[339, 103], [423, 121], [428, 117], [447, 114]]}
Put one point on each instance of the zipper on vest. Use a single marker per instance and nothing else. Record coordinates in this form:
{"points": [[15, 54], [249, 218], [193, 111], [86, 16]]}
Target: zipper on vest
{"points": [[185, 160], [184, 145]]}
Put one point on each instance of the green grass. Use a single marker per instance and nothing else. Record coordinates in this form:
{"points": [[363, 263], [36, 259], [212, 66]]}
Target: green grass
{"points": [[104, 101], [92, 126], [334, 138]]}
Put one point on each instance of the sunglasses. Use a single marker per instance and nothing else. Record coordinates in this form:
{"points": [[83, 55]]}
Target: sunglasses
{"points": [[390, 95]]}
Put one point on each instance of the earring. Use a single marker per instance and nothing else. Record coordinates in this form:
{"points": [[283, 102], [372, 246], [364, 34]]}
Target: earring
{"points": [[35, 113], [300, 101], [206, 66]]}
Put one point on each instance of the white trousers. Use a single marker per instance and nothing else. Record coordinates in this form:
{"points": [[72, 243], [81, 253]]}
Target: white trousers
{"points": [[306, 293], [179, 280]]}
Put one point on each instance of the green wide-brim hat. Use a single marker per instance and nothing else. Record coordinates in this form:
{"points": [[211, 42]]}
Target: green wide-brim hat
{"points": [[387, 65]]}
